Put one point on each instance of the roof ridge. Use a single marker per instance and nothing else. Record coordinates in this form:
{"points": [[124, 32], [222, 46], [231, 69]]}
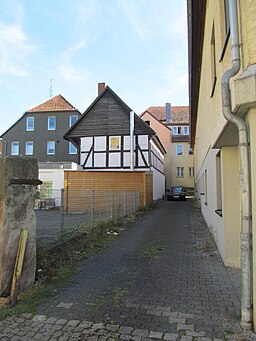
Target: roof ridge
{"points": [[56, 103]]}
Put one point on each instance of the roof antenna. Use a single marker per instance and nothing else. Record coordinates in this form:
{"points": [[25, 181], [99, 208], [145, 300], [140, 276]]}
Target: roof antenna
{"points": [[50, 89]]}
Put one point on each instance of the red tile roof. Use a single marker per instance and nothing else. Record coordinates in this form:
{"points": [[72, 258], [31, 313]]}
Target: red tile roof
{"points": [[178, 114], [57, 103]]}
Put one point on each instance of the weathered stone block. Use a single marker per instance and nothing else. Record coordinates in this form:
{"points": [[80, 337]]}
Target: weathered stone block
{"points": [[17, 213]]}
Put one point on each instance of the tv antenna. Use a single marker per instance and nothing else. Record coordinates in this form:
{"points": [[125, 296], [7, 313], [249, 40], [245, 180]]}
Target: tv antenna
{"points": [[50, 89]]}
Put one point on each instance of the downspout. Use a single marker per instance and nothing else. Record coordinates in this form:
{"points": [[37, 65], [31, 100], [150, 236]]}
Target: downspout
{"points": [[245, 236], [131, 141]]}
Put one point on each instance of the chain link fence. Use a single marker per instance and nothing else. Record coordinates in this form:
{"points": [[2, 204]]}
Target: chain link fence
{"points": [[66, 214]]}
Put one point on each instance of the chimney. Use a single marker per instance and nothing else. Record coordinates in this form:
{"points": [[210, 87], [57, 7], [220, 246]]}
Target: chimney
{"points": [[101, 87], [168, 109]]}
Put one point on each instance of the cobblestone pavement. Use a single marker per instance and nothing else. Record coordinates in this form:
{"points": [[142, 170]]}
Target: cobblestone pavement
{"points": [[163, 279]]}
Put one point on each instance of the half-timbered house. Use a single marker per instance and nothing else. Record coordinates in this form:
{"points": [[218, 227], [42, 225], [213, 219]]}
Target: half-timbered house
{"points": [[106, 142]]}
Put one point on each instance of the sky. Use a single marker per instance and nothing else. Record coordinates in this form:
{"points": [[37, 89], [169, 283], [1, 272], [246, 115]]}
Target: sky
{"points": [[137, 47]]}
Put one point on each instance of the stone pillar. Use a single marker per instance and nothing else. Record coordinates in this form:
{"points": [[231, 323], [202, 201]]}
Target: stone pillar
{"points": [[18, 176]]}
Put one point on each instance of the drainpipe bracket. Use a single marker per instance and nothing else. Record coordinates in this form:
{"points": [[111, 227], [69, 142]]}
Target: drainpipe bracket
{"points": [[244, 237]]}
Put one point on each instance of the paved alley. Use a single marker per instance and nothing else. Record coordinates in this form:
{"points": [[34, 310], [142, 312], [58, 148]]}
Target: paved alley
{"points": [[163, 279]]}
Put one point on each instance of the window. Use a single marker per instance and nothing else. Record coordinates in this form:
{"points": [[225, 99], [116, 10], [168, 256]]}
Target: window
{"points": [[72, 119], [114, 143], [218, 185], [180, 172], [179, 149], [213, 62], [185, 130], [148, 122], [46, 189], [226, 29], [227, 19], [30, 124], [51, 147], [72, 149], [205, 187], [191, 172], [190, 150], [15, 148], [51, 123], [175, 130], [29, 146]]}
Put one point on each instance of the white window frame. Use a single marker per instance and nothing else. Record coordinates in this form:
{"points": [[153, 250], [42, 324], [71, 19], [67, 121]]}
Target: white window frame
{"points": [[182, 152], [190, 150], [70, 119], [72, 149], [186, 130], [180, 172], [29, 148], [33, 124], [49, 120], [174, 130], [49, 147], [14, 145], [191, 172]]}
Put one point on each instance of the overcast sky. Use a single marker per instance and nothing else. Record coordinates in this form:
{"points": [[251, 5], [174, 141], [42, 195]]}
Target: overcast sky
{"points": [[137, 47]]}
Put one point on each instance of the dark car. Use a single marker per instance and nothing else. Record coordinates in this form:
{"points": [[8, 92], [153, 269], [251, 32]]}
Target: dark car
{"points": [[176, 193]]}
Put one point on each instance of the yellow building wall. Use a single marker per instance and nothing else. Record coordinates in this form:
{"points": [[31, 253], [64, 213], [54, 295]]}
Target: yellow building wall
{"points": [[211, 124], [252, 124], [185, 161], [248, 10], [231, 206]]}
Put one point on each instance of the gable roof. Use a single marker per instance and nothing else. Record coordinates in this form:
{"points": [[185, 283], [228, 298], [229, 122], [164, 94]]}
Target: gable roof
{"points": [[156, 119], [179, 114], [57, 103], [107, 115]]}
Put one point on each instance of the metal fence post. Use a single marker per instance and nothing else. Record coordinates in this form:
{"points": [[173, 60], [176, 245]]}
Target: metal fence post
{"points": [[135, 198], [124, 205], [138, 200], [92, 207], [62, 212], [112, 204]]}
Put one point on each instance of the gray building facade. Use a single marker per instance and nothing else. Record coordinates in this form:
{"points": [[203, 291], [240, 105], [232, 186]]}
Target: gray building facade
{"points": [[39, 132]]}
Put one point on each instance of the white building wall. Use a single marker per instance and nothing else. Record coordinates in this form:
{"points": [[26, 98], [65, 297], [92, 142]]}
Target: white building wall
{"points": [[55, 176], [206, 194], [157, 166]]}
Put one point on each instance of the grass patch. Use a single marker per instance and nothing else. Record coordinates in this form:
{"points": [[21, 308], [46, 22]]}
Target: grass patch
{"points": [[119, 293], [55, 266], [29, 300], [150, 250]]}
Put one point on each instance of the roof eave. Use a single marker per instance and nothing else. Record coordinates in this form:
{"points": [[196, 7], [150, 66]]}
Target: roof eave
{"points": [[196, 10]]}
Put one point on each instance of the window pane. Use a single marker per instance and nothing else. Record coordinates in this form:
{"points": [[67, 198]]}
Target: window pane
{"points": [[227, 20], [179, 130], [180, 171], [51, 147], [51, 123], [190, 150], [179, 149], [29, 148], [72, 148], [186, 130], [30, 124], [191, 171], [15, 148], [46, 189], [175, 130], [72, 119]]}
